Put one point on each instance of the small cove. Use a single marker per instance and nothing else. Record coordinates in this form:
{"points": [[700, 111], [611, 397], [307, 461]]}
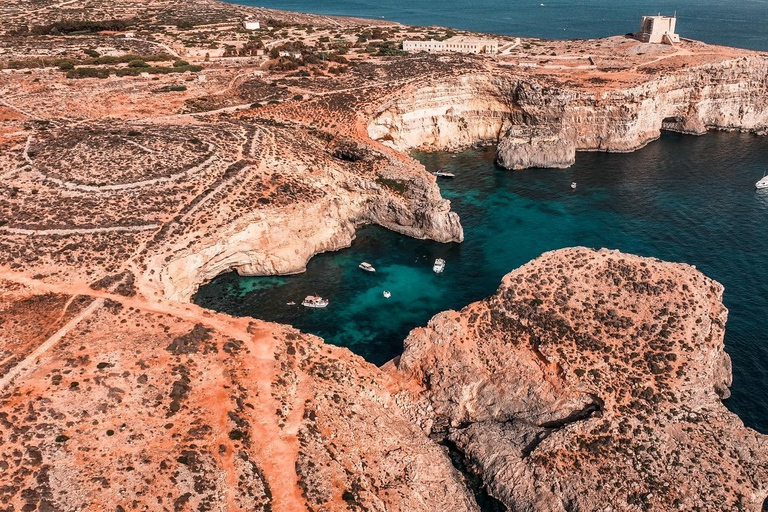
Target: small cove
{"points": [[681, 198]]}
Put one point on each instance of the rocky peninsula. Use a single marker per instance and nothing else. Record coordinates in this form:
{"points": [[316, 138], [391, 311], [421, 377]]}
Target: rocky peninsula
{"points": [[147, 147]]}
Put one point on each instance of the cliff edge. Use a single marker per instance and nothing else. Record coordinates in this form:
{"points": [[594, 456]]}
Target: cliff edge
{"points": [[616, 94], [592, 380]]}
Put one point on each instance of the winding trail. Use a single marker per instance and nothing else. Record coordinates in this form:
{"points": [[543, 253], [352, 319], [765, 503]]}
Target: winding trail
{"points": [[56, 6], [79, 231], [136, 184]]}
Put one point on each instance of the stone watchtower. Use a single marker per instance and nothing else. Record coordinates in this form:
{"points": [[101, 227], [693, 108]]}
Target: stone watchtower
{"points": [[658, 29]]}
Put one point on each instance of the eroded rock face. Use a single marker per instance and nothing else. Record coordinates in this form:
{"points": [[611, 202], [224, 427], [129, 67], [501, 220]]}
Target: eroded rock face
{"points": [[541, 117], [590, 381], [523, 148]]}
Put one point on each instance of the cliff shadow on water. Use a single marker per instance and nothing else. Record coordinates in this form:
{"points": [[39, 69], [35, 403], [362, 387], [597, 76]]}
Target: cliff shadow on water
{"points": [[681, 198]]}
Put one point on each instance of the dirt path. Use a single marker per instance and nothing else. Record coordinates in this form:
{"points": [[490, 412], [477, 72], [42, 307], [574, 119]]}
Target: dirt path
{"points": [[136, 184], [27, 364], [278, 457], [79, 231], [56, 6]]}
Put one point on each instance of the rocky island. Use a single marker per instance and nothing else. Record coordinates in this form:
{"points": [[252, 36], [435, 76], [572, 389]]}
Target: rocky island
{"points": [[147, 147]]}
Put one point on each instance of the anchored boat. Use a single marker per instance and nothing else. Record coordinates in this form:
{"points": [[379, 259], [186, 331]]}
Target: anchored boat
{"points": [[763, 183], [444, 174], [439, 266], [367, 267], [312, 301], [387, 294]]}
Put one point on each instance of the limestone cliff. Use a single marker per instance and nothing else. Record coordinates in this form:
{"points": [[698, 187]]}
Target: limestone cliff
{"points": [[590, 381], [334, 196], [540, 119]]}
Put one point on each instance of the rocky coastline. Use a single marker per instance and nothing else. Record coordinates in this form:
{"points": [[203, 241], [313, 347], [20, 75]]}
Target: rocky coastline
{"points": [[592, 380], [539, 121]]}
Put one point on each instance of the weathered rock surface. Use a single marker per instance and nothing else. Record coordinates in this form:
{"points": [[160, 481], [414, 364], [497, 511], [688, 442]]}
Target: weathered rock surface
{"points": [[523, 148], [272, 241], [182, 409], [590, 381], [541, 116]]}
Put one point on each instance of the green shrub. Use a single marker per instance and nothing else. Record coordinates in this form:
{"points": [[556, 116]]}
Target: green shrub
{"points": [[138, 63], [80, 27], [180, 64], [91, 53], [121, 59], [66, 65], [88, 73], [126, 71], [394, 185]]}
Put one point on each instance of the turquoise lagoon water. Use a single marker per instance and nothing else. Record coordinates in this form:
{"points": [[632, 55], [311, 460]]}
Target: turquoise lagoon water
{"points": [[739, 23], [682, 198]]}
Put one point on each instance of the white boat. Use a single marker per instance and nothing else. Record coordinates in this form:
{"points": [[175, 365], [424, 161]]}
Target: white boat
{"points": [[387, 294], [763, 183], [312, 301], [290, 303], [573, 185], [444, 174], [367, 267], [439, 266]]}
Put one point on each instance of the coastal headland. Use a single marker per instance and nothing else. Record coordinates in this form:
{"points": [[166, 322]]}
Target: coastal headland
{"points": [[146, 148]]}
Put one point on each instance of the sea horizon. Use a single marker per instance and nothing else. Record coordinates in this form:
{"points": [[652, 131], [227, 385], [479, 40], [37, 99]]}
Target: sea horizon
{"points": [[739, 25]]}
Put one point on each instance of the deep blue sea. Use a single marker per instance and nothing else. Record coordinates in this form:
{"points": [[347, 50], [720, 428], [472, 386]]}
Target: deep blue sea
{"points": [[682, 198], [740, 23]]}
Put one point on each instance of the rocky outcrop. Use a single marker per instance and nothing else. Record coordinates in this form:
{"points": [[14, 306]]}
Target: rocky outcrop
{"points": [[539, 121], [522, 148], [448, 114], [392, 192], [282, 242], [590, 381]]}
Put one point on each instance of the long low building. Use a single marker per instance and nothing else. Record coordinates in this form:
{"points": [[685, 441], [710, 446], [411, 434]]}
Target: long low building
{"points": [[459, 44]]}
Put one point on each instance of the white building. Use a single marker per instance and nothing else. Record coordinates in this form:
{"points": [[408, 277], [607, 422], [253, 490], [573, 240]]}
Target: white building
{"points": [[658, 29], [458, 44], [295, 55], [251, 25]]}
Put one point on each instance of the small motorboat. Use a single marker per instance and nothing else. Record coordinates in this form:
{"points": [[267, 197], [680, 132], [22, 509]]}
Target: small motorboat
{"points": [[573, 185], [763, 183], [439, 266], [312, 301], [367, 267], [444, 174], [386, 294], [290, 303]]}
